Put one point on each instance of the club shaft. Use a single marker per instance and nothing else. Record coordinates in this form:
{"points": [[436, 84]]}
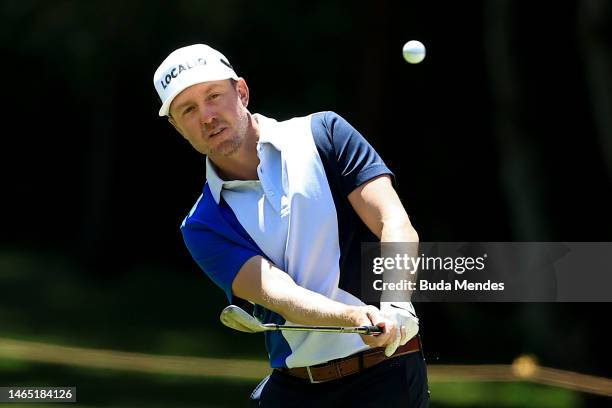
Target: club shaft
{"points": [[328, 329]]}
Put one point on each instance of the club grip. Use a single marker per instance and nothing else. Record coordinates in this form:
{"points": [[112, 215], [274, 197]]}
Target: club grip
{"points": [[373, 329]]}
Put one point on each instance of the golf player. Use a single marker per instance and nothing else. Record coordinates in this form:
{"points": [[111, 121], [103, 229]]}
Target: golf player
{"points": [[280, 222]]}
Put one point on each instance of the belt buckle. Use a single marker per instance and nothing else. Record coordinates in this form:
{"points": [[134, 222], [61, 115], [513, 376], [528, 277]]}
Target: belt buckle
{"points": [[312, 380]]}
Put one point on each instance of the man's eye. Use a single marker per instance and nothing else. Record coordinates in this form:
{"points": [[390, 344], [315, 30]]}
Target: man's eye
{"points": [[188, 110], [214, 96]]}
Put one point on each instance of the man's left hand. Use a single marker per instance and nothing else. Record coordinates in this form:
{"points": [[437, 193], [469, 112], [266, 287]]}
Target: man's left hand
{"points": [[406, 321]]}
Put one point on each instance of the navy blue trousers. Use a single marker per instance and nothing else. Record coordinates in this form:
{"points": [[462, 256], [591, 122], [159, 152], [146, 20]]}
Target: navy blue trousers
{"points": [[397, 382]]}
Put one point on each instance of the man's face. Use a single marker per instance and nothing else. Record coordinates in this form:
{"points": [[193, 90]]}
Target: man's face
{"points": [[212, 116]]}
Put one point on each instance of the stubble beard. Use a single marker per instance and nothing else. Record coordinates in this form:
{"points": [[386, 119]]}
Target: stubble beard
{"points": [[227, 148], [230, 147]]}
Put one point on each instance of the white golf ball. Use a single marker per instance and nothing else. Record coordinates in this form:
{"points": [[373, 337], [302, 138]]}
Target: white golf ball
{"points": [[414, 51]]}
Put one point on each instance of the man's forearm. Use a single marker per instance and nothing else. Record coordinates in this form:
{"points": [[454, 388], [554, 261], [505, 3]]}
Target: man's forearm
{"points": [[398, 237], [262, 283]]}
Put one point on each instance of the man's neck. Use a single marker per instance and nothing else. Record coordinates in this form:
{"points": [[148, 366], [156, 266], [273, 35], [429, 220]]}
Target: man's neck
{"points": [[242, 165]]}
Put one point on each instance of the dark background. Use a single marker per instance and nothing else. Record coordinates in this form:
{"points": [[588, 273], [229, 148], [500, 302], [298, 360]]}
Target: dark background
{"points": [[503, 133]]}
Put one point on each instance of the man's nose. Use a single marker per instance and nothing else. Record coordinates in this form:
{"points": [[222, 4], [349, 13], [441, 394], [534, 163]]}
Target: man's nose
{"points": [[207, 114]]}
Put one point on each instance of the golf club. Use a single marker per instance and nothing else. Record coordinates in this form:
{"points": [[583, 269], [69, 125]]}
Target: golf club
{"points": [[236, 318]]}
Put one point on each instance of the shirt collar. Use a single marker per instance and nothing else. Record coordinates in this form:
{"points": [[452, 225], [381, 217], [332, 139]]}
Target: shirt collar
{"points": [[215, 183], [268, 132]]}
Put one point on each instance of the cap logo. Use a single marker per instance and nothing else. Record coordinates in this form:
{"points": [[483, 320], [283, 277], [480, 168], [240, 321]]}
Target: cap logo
{"points": [[176, 70]]}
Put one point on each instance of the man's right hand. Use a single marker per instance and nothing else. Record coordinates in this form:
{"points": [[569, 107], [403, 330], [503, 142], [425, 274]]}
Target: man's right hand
{"points": [[372, 316]]}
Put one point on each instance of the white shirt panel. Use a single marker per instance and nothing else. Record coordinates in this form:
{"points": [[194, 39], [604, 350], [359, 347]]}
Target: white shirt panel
{"points": [[260, 206]]}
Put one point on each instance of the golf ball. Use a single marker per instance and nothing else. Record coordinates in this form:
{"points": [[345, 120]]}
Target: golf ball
{"points": [[414, 51]]}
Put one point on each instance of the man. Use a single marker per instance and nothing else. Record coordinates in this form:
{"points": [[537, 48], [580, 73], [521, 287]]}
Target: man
{"points": [[279, 224]]}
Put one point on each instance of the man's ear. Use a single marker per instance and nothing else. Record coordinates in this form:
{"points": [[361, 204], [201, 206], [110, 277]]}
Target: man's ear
{"points": [[173, 123], [243, 91]]}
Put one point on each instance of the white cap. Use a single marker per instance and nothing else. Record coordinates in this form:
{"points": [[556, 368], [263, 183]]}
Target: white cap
{"points": [[189, 66]]}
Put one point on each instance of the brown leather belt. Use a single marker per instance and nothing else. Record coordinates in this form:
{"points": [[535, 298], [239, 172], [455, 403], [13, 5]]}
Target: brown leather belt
{"points": [[337, 369]]}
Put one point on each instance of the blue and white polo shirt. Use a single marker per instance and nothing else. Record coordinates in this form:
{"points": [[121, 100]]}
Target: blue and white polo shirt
{"points": [[297, 215]]}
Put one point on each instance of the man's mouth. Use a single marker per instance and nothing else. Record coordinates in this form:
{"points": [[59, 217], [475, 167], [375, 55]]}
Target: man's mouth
{"points": [[216, 132]]}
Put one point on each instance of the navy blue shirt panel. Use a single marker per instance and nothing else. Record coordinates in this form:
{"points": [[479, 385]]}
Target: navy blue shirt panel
{"points": [[349, 161]]}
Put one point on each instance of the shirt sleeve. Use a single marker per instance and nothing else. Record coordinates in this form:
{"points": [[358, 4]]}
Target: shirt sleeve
{"points": [[220, 258], [356, 161]]}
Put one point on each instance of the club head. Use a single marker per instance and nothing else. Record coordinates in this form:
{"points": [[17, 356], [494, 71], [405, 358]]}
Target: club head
{"points": [[236, 318]]}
